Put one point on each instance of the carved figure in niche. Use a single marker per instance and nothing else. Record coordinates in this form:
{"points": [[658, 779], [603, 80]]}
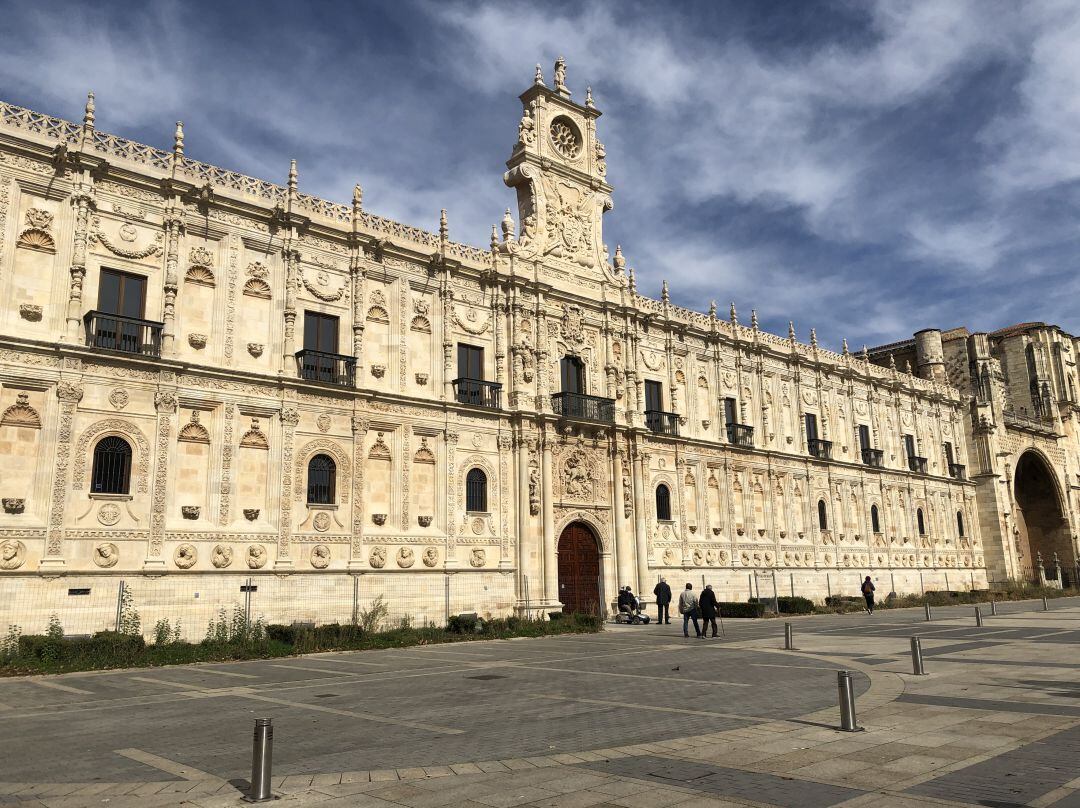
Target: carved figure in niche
{"points": [[577, 476], [431, 556], [534, 488], [627, 492], [320, 556], [222, 556], [185, 556], [406, 557], [12, 554], [670, 558], [256, 556], [699, 558], [378, 557], [106, 555], [527, 126], [478, 557]]}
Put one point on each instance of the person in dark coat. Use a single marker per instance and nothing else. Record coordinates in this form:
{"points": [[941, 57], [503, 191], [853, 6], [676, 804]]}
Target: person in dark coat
{"points": [[868, 593], [710, 608], [663, 600]]}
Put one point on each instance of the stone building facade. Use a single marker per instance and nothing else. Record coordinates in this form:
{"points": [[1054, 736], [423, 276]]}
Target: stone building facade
{"points": [[208, 375], [1022, 425]]}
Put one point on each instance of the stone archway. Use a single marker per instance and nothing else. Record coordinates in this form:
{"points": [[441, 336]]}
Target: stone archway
{"points": [[579, 569], [1041, 525]]}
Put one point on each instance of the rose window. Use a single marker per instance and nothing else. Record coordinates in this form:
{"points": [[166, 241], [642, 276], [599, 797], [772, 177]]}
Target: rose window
{"points": [[565, 138]]}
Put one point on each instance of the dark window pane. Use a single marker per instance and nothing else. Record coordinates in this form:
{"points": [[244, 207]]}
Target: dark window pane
{"points": [[470, 362], [322, 480], [874, 520], [811, 426], [663, 502], [476, 491], [822, 515], [654, 396], [573, 375], [112, 466]]}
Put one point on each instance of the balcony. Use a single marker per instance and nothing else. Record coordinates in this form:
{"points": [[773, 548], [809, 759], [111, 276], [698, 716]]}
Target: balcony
{"points": [[478, 393], [821, 449], [740, 435], [958, 471], [584, 408], [662, 423], [127, 334], [917, 464], [874, 458], [329, 368]]}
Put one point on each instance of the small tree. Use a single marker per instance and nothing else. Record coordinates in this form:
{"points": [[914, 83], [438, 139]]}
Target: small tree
{"points": [[130, 622]]}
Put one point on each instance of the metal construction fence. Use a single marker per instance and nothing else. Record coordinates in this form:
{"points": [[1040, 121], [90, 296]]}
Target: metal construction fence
{"points": [[84, 606]]}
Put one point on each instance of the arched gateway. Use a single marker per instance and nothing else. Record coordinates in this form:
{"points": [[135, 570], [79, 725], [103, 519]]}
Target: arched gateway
{"points": [[579, 569], [1041, 525]]}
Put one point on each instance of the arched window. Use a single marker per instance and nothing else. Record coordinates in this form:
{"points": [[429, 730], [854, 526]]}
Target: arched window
{"points": [[112, 466], [822, 515], [960, 523], [663, 503], [321, 480], [476, 491], [875, 521], [922, 522]]}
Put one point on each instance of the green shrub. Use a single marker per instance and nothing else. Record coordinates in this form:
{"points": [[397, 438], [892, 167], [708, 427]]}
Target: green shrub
{"points": [[796, 605], [464, 624], [736, 609]]}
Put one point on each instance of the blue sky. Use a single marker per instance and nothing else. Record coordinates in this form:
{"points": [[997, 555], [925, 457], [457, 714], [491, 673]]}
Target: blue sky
{"points": [[866, 168]]}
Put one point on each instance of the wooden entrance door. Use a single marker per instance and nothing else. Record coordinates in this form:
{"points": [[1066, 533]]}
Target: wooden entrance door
{"points": [[579, 569]]}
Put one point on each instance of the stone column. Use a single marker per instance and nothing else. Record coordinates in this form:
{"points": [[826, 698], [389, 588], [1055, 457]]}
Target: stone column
{"points": [[356, 552], [173, 228], [623, 552], [641, 538], [551, 559], [292, 267], [290, 417], [70, 395], [165, 403], [82, 201]]}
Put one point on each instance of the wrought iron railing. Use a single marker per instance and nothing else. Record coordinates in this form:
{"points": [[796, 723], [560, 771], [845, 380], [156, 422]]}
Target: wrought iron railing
{"points": [[821, 449], [958, 471], [917, 464], [583, 407], [740, 435], [112, 332], [875, 458], [478, 393], [662, 423], [330, 368]]}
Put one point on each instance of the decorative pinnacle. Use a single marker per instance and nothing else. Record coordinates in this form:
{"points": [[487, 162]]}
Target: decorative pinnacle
{"points": [[892, 361], [619, 261], [178, 139], [753, 319], [292, 176], [712, 309], [539, 77], [791, 330], [665, 295], [908, 368], [508, 226], [865, 354], [844, 349], [633, 282], [444, 229], [813, 338], [357, 196], [733, 314], [88, 115], [494, 237], [588, 98]]}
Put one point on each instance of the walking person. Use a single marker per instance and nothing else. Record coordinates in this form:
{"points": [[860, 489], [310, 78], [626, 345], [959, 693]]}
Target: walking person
{"points": [[688, 608], [868, 594], [710, 608], [663, 601]]}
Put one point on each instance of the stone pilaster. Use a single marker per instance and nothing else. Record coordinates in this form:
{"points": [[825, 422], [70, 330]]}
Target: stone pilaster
{"points": [[165, 402], [290, 417]]}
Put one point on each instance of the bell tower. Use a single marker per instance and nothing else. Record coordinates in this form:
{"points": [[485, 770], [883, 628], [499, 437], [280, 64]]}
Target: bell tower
{"points": [[558, 168]]}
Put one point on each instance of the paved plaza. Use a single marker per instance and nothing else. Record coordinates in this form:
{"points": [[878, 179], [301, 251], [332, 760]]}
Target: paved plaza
{"points": [[636, 716]]}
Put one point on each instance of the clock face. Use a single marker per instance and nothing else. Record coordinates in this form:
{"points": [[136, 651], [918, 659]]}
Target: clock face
{"points": [[565, 137]]}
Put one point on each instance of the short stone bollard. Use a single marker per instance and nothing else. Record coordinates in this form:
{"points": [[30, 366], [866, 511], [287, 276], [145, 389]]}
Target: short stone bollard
{"points": [[262, 753], [846, 686], [993, 608], [916, 657], [929, 615], [978, 616], [1046, 606], [789, 643]]}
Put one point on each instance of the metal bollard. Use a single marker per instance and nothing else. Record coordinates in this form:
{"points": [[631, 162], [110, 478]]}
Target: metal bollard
{"points": [[916, 657], [978, 616], [789, 644], [1046, 606], [262, 753], [993, 608], [929, 616], [846, 687]]}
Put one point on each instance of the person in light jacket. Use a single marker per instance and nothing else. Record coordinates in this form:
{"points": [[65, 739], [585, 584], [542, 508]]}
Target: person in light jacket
{"points": [[663, 600], [688, 608]]}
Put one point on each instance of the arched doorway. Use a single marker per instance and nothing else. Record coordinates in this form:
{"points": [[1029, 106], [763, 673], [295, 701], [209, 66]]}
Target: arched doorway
{"points": [[579, 569], [1041, 525]]}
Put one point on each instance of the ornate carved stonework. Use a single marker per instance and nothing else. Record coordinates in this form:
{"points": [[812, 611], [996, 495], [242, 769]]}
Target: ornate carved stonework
{"points": [[12, 554], [21, 414]]}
